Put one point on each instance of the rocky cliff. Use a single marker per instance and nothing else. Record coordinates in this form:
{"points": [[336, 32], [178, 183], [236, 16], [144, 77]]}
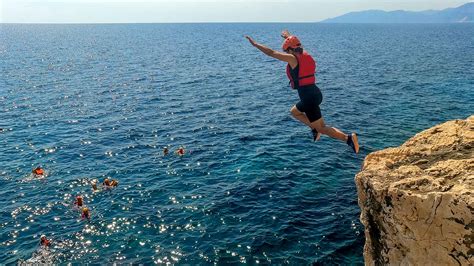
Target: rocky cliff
{"points": [[417, 200]]}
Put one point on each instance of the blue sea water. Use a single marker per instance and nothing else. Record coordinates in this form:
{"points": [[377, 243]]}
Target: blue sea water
{"points": [[93, 101]]}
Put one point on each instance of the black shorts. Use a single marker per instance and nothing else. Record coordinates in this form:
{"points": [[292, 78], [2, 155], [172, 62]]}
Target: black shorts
{"points": [[310, 99]]}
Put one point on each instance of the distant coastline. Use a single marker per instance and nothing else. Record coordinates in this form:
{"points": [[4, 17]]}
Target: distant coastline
{"points": [[461, 14]]}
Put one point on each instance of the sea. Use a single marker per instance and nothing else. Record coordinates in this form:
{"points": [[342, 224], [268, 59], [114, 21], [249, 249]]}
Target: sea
{"points": [[93, 101]]}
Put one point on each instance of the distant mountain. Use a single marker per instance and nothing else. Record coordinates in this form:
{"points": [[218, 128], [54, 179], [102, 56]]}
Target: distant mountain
{"points": [[464, 13]]}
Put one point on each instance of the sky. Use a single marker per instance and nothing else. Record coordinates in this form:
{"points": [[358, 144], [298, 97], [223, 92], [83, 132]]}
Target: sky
{"points": [[173, 11]]}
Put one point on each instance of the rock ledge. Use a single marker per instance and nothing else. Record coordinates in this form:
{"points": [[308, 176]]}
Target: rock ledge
{"points": [[417, 200]]}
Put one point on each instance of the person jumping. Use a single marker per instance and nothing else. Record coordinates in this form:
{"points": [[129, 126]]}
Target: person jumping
{"points": [[301, 70]]}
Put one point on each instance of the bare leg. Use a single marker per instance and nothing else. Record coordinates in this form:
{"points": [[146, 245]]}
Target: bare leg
{"points": [[304, 119], [300, 116], [330, 131], [321, 128]]}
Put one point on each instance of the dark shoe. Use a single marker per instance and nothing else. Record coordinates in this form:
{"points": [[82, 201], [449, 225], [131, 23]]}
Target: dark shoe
{"points": [[316, 134], [353, 142]]}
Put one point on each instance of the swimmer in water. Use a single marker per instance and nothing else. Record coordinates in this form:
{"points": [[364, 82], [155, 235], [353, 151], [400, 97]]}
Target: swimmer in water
{"points": [[94, 185], [110, 183], [113, 183], [180, 151], [38, 172], [85, 213], [165, 151], [44, 242], [79, 202], [106, 182]]}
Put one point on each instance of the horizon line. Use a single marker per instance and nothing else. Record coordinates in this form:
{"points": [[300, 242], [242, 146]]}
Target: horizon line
{"points": [[224, 22], [175, 22]]}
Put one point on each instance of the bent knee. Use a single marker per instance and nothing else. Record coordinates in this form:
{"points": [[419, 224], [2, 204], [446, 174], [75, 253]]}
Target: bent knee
{"points": [[320, 127], [295, 111]]}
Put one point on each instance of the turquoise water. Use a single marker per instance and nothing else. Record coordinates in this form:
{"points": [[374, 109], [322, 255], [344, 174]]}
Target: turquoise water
{"points": [[93, 101]]}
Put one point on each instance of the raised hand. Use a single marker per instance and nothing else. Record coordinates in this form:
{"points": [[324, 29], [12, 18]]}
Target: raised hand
{"points": [[252, 42], [285, 34]]}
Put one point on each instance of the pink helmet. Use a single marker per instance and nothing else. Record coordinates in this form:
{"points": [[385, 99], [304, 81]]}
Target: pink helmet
{"points": [[291, 42]]}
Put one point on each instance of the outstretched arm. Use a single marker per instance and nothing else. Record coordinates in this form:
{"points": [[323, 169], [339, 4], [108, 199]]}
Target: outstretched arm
{"points": [[272, 53]]}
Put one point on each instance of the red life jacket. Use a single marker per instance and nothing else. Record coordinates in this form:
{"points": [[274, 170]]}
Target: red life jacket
{"points": [[306, 70], [45, 242], [39, 171]]}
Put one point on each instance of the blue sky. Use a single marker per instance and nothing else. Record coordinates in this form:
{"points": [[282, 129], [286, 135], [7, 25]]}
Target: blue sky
{"points": [[145, 11]]}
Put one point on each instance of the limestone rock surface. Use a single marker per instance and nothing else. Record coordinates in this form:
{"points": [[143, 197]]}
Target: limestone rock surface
{"points": [[417, 200]]}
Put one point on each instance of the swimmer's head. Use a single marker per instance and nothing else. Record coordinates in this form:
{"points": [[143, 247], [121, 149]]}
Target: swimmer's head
{"points": [[107, 182], [85, 213], [79, 200], [44, 241], [38, 171]]}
